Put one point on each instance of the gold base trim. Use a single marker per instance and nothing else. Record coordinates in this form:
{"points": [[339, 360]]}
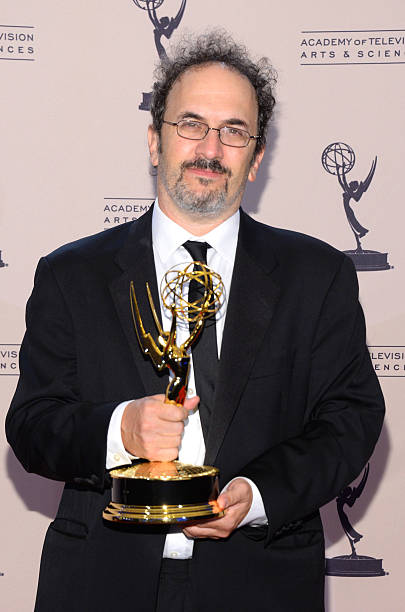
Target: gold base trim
{"points": [[164, 470], [164, 515]]}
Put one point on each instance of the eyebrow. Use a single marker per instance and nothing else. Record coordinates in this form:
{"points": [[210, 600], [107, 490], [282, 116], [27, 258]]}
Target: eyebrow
{"points": [[230, 121]]}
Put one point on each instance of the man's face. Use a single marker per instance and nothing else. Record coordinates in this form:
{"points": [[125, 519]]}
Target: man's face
{"points": [[204, 178]]}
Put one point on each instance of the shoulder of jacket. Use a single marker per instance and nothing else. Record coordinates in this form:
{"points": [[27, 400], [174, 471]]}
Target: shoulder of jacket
{"points": [[293, 246], [107, 242]]}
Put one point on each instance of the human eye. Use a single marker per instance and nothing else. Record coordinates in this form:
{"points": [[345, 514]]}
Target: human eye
{"points": [[190, 124], [233, 136], [233, 131], [189, 128]]}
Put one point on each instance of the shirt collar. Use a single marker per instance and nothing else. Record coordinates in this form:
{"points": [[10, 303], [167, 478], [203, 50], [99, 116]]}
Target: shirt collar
{"points": [[167, 236]]}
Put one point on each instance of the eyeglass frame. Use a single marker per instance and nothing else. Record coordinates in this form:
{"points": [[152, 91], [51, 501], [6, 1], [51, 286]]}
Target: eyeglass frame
{"points": [[176, 123]]}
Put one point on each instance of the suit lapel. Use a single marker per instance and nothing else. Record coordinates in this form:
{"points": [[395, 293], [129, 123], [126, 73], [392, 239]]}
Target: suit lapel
{"points": [[137, 264], [252, 300]]}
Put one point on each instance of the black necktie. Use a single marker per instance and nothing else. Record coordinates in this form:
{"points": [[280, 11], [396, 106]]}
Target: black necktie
{"points": [[204, 350]]}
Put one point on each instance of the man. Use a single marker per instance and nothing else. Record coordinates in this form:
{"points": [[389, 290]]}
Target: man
{"points": [[297, 407]]}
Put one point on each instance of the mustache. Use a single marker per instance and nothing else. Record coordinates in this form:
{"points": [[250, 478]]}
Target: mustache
{"points": [[214, 165]]}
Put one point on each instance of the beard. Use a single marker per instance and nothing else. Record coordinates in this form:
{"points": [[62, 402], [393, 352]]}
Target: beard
{"points": [[208, 203]]}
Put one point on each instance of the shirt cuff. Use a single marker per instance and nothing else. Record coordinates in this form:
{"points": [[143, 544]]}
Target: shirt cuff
{"points": [[117, 455], [257, 514]]}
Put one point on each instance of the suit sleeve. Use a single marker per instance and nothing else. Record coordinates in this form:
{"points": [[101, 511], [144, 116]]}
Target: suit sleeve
{"points": [[54, 432], [345, 411]]}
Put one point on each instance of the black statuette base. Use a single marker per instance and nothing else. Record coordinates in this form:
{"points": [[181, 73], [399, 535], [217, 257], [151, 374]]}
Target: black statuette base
{"points": [[186, 493], [365, 261], [354, 565]]}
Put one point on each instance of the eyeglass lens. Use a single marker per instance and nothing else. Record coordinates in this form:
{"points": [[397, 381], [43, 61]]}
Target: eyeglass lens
{"points": [[195, 130]]}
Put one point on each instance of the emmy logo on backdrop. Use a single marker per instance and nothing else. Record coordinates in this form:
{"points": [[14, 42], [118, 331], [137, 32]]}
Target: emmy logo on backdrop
{"points": [[170, 492], [3, 264], [338, 159], [353, 564], [163, 26]]}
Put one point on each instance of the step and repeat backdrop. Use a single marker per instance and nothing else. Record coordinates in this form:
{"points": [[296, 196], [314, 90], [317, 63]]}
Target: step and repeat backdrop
{"points": [[75, 90]]}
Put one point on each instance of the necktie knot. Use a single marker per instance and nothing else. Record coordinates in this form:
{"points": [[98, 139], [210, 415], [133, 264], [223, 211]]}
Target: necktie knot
{"points": [[198, 250]]}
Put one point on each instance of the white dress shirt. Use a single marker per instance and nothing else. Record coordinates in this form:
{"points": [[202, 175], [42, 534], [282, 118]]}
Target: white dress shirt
{"points": [[167, 239]]}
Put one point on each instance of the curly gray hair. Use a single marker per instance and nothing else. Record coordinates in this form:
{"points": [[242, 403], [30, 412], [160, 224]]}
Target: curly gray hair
{"points": [[215, 46]]}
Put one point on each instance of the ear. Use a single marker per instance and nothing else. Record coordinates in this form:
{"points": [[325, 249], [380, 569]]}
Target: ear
{"points": [[153, 142], [255, 165]]}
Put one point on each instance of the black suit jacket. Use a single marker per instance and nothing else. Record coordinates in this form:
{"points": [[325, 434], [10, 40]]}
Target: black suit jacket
{"points": [[298, 409]]}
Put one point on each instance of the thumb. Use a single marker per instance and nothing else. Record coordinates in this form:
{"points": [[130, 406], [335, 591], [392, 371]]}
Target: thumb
{"points": [[238, 491], [191, 403], [226, 499]]}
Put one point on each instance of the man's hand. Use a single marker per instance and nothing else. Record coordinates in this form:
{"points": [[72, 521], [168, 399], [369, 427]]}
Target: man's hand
{"points": [[236, 502], [152, 429]]}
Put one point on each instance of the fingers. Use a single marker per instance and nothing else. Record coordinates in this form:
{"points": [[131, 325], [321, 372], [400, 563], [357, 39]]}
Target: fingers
{"points": [[172, 413], [227, 499], [214, 529], [238, 492], [235, 502], [153, 429], [178, 412], [191, 403]]}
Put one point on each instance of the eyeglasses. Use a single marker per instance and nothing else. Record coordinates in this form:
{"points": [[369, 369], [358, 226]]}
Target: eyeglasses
{"points": [[196, 130]]}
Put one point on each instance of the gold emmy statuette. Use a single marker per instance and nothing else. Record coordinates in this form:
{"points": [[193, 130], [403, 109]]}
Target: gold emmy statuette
{"points": [[170, 492]]}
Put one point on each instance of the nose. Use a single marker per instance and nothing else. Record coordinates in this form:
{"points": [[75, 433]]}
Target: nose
{"points": [[211, 147]]}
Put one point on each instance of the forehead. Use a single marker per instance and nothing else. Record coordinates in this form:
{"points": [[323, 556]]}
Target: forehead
{"points": [[213, 91]]}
